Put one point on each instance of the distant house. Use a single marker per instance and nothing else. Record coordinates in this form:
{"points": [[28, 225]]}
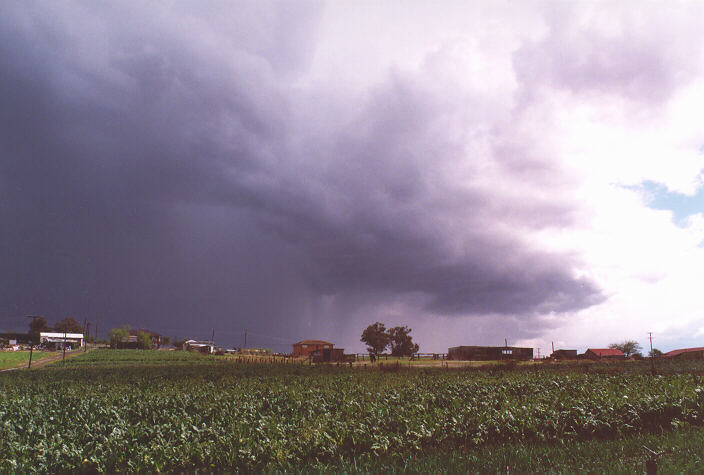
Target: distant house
{"points": [[564, 354], [604, 353], [56, 340], [686, 354], [206, 347], [153, 336], [489, 353], [308, 347]]}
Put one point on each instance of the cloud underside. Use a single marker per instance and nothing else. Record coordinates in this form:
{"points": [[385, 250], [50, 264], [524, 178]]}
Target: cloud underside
{"points": [[157, 174]]}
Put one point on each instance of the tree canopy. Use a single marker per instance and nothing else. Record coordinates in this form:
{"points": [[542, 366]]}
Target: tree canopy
{"points": [[376, 338], [118, 336], [628, 347], [68, 325], [402, 342], [36, 325]]}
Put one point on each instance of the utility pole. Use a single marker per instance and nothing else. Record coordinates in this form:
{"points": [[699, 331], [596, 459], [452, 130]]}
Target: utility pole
{"points": [[553, 346], [652, 356], [85, 334], [245, 338], [63, 357], [212, 337], [538, 353]]}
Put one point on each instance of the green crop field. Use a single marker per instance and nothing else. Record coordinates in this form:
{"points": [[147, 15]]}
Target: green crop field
{"points": [[169, 411]]}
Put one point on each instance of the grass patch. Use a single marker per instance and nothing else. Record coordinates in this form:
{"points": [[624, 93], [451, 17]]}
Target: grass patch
{"points": [[13, 359]]}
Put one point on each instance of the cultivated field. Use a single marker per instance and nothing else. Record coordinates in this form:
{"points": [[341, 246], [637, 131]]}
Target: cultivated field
{"points": [[156, 410]]}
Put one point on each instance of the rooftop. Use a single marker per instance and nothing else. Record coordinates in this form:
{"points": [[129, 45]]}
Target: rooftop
{"points": [[606, 351], [672, 353]]}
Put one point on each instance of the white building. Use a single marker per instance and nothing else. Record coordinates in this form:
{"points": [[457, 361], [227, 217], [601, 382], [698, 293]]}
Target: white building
{"points": [[58, 340], [200, 346]]}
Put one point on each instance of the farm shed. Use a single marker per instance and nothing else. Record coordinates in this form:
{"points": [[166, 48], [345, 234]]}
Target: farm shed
{"points": [[332, 355], [686, 354], [603, 353], [308, 347], [59, 340], [206, 347], [564, 354], [489, 353]]}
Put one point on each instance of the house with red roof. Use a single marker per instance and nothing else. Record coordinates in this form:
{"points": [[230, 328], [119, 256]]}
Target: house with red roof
{"points": [[604, 353], [308, 347], [686, 354]]}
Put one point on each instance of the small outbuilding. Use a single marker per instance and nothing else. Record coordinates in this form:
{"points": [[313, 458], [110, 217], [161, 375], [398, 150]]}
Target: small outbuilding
{"points": [[686, 354], [604, 353], [207, 347], [564, 354], [489, 353]]}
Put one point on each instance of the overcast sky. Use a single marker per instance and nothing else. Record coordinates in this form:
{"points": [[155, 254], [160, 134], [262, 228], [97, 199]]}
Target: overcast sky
{"points": [[474, 170]]}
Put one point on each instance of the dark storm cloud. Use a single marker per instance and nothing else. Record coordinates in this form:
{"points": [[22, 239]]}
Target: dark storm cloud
{"points": [[158, 169]]}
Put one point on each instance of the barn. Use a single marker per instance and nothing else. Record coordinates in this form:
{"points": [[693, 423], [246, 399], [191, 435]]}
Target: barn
{"points": [[489, 353], [686, 354], [603, 353], [564, 354], [308, 347]]}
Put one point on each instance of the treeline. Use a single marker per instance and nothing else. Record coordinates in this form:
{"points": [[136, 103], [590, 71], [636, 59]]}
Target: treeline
{"points": [[121, 338], [39, 324]]}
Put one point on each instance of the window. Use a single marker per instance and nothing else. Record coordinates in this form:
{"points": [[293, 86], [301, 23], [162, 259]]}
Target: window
{"points": [[507, 352], [304, 346]]}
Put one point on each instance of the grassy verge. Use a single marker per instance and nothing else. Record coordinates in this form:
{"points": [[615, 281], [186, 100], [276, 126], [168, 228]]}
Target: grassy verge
{"points": [[13, 359]]}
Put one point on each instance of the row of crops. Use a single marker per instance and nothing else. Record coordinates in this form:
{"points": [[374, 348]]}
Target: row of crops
{"points": [[219, 414]]}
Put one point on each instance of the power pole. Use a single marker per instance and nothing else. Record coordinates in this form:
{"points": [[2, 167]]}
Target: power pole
{"points": [[553, 346], [212, 337], [538, 353], [63, 357], [652, 356], [85, 334], [245, 338]]}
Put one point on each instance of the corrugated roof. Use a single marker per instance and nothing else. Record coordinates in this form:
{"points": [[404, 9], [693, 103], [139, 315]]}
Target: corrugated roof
{"points": [[606, 351], [672, 353], [313, 342], [60, 335]]}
